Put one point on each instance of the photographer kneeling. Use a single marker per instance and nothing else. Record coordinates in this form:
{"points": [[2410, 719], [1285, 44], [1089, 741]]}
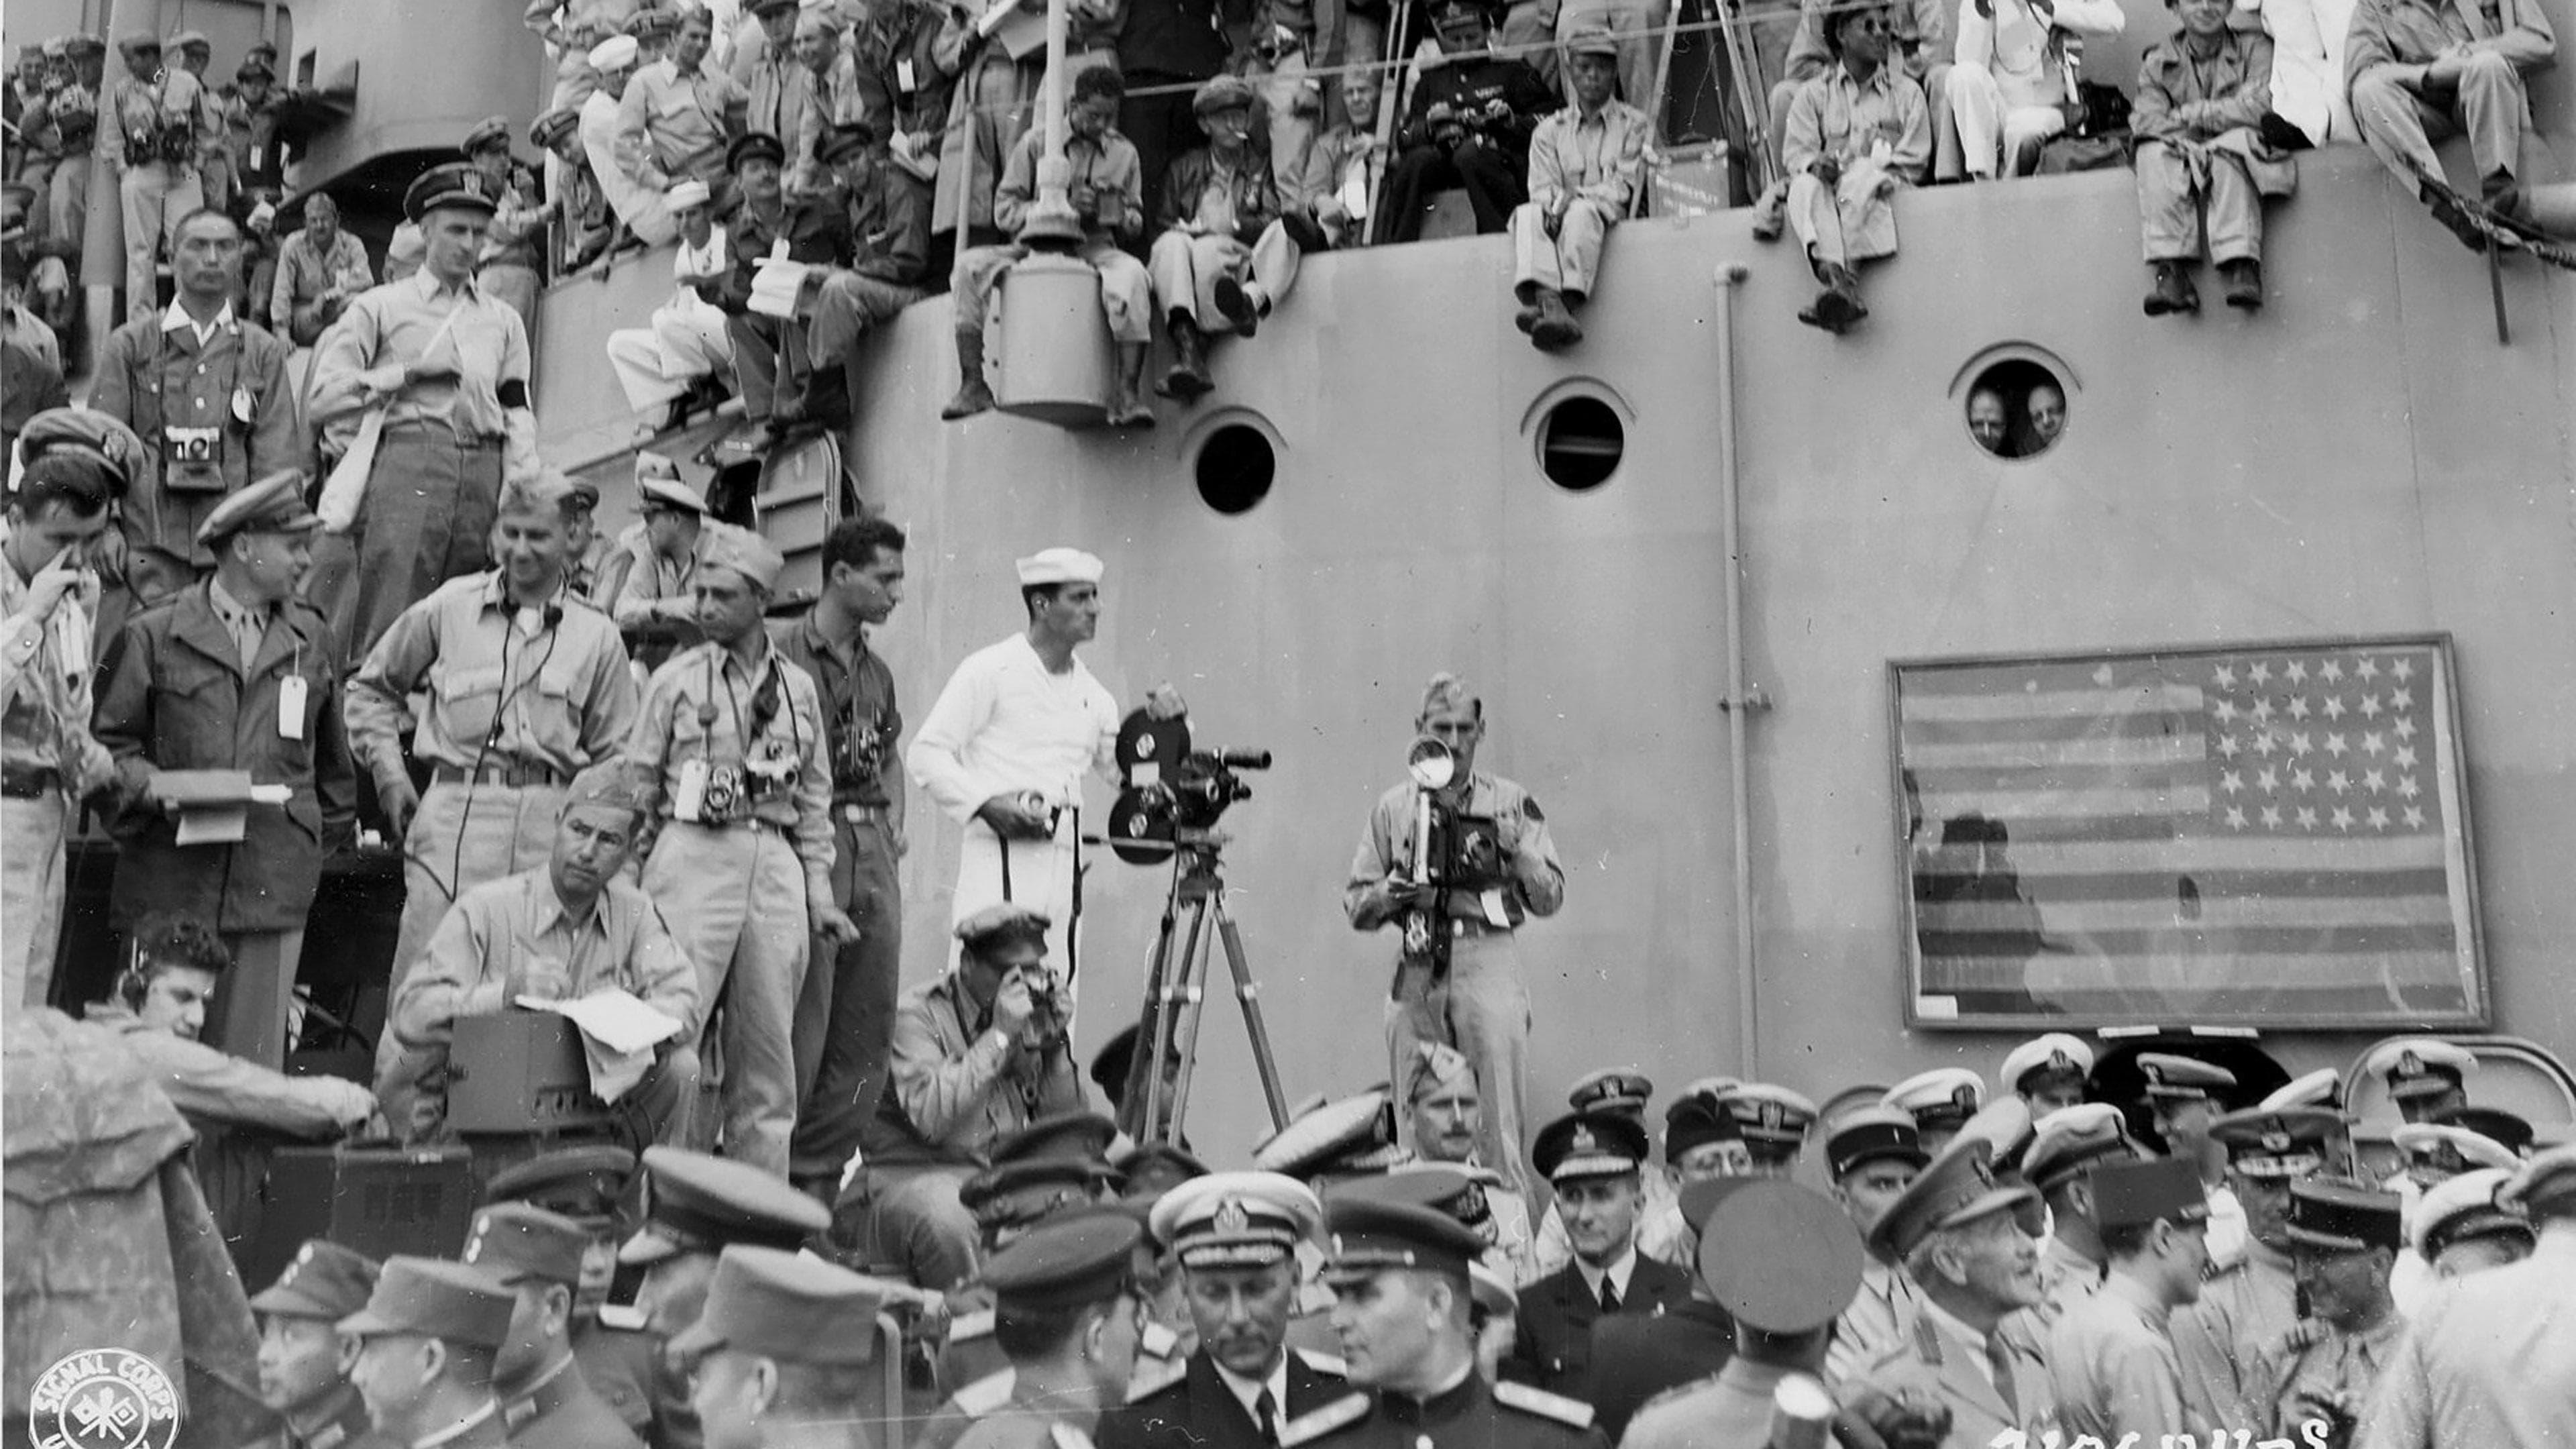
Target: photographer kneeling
{"points": [[978, 1054]]}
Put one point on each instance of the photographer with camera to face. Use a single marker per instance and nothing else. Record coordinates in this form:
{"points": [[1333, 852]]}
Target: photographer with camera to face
{"points": [[978, 1054], [1457, 859]]}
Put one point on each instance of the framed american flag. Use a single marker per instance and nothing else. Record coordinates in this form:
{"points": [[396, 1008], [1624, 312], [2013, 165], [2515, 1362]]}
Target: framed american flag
{"points": [[2271, 834]]}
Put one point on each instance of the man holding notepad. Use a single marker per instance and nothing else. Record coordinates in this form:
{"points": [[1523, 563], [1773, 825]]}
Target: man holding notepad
{"points": [[573, 928]]}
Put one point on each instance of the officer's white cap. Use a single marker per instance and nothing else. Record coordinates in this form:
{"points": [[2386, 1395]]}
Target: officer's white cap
{"points": [[1060, 566], [2057, 1049]]}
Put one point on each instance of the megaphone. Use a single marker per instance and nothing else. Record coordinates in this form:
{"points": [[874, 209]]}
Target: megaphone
{"points": [[1431, 763]]}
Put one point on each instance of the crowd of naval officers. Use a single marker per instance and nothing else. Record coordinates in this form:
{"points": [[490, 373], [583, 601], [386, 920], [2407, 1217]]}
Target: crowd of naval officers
{"points": [[1985, 1265]]}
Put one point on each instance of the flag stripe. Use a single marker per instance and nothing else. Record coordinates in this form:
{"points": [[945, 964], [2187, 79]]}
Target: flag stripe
{"points": [[2150, 700], [2228, 852], [2235, 942], [2162, 884], [2159, 748], [2013, 778], [1919, 730], [2013, 806], [2213, 913]]}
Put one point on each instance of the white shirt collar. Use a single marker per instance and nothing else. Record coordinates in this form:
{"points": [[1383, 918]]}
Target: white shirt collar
{"points": [[1246, 1390], [1621, 1269], [177, 317]]}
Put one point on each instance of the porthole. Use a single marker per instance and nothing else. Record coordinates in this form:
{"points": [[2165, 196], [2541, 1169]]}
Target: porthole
{"points": [[2016, 408], [1236, 466], [1580, 443]]}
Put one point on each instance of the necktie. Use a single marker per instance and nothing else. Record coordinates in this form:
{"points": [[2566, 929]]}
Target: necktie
{"points": [[1609, 1295], [1266, 1410], [1999, 1358]]}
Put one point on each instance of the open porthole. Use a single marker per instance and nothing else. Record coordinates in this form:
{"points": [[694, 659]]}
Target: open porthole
{"points": [[1581, 440], [2014, 401], [1236, 464]]}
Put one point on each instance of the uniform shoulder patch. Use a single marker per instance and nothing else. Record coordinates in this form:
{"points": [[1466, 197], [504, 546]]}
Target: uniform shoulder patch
{"points": [[986, 1394], [967, 1327], [1314, 1424], [624, 1317], [1539, 1401], [1325, 1363], [1152, 1378]]}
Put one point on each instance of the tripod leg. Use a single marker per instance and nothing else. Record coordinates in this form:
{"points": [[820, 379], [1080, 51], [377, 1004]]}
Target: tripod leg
{"points": [[1185, 1035], [1144, 1074], [1178, 988], [1248, 992]]}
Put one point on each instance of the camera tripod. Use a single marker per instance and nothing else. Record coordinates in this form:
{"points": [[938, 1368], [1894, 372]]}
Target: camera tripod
{"points": [[1194, 925]]}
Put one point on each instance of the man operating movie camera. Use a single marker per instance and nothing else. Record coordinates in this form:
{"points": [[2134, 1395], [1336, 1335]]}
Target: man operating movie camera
{"points": [[1457, 859]]}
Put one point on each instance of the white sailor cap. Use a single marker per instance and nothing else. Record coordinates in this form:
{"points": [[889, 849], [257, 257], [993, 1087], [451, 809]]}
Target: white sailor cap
{"points": [[2464, 1207], [2474, 1148], [1944, 1095], [2057, 1051], [1060, 566], [2419, 1066]]}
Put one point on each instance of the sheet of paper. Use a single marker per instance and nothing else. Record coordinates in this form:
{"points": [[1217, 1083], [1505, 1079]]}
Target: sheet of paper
{"points": [[613, 1017], [214, 825], [618, 1034]]}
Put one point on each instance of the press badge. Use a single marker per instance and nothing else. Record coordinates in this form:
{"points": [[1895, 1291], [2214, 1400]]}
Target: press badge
{"points": [[290, 707], [903, 76]]}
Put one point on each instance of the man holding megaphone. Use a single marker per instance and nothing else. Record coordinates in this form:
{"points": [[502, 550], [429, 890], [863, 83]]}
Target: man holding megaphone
{"points": [[1457, 859]]}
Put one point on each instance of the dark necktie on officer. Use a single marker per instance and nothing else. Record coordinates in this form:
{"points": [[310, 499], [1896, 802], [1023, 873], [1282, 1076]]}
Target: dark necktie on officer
{"points": [[1999, 1358], [1266, 1410], [1609, 1296]]}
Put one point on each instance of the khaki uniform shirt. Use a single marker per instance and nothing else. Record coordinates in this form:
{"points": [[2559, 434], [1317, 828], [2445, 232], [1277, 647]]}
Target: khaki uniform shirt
{"points": [[510, 938], [500, 686]]}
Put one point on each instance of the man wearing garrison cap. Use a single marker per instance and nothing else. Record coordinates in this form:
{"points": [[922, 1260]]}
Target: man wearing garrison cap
{"points": [[2344, 1237], [301, 1366], [77, 464], [2109, 1355], [979, 1058], [2492, 1360], [523, 686], [546, 1401], [1458, 975], [2248, 1306], [427, 1340], [731, 749], [1594, 1161], [785, 1352], [444, 365], [1236, 1235], [236, 673], [1445, 1117], [1955, 1232], [1004, 749], [568, 928]]}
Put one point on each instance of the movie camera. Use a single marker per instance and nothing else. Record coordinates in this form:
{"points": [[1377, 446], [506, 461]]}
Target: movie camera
{"points": [[1168, 791]]}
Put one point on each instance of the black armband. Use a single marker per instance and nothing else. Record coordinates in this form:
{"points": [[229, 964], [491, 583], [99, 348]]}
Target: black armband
{"points": [[514, 394]]}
